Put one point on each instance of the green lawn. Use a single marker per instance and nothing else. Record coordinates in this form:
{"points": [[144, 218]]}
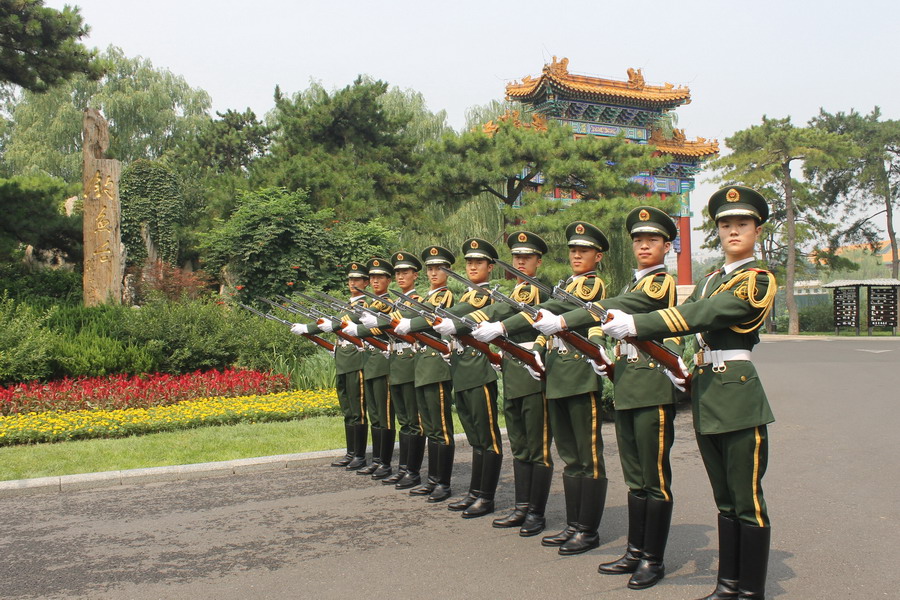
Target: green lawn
{"points": [[207, 444]]}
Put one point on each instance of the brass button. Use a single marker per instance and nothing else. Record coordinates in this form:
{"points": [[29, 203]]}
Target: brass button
{"points": [[700, 371], [651, 365], [577, 356], [743, 378]]}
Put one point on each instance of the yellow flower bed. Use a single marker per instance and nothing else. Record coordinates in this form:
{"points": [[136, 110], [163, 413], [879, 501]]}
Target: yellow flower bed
{"points": [[54, 426]]}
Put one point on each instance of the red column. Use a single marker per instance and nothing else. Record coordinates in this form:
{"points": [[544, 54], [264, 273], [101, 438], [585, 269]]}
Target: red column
{"points": [[685, 276]]}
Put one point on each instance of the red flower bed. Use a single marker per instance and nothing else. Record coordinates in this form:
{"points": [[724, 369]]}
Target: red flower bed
{"points": [[136, 391]]}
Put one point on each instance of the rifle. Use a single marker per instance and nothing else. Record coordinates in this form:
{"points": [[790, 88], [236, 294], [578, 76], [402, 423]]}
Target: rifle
{"points": [[503, 342], [318, 315], [313, 338], [340, 304], [464, 339], [573, 338], [421, 337]]}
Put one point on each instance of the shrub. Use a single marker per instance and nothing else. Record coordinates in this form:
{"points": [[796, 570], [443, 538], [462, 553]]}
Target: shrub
{"points": [[25, 345], [40, 285], [90, 355], [818, 317]]}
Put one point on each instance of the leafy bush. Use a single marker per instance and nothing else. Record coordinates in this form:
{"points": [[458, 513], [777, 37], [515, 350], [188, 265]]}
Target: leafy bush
{"points": [[90, 355], [818, 317], [40, 285], [25, 345]]}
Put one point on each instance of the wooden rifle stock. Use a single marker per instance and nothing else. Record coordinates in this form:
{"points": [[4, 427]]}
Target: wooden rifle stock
{"points": [[588, 348]]}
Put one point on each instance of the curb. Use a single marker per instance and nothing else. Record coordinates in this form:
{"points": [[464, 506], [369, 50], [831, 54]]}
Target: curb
{"points": [[240, 466]]}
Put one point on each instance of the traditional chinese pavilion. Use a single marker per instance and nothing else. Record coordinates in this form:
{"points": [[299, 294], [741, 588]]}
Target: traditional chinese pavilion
{"points": [[633, 108]]}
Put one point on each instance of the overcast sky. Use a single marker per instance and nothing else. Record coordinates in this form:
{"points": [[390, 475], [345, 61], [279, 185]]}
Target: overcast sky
{"points": [[741, 60]]}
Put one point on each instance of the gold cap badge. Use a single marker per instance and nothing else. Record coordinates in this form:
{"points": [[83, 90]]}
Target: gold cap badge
{"points": [[474, 244], [375, 263], [579, 229], [523, 237], [733, 195], [399, 257], [644, 215], [434, 252], [354, 266]]}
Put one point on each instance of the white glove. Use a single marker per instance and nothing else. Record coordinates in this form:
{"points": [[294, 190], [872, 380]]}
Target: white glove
{"points": [[446, 357], [549, 323], [351, 328], [326, 324], [599, 368], [330, 352], [620, 324], [445, 327], [403, 326], [299, 328], [497, 368], [488, 330], [536, 374], [678, 382], [369, 320]]}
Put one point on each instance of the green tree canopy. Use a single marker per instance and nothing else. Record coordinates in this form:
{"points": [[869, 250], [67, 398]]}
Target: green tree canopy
{"points": [[39, 46], [32, 209], [152, 210], [149, 111]]}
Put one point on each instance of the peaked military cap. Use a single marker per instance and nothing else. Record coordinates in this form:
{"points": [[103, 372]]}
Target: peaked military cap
{"points": [[357, 270], [379, 266], [737, 200], [581, 233], [405, 260], [478, 248], [648, 219], [436, 255], [525, 242]]}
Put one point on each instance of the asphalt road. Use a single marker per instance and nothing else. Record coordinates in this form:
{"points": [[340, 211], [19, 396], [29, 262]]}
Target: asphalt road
{"points": [[315, 532]]}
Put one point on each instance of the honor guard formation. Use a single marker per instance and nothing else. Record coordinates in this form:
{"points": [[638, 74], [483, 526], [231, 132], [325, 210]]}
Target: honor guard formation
{"points": [[404, 359]]}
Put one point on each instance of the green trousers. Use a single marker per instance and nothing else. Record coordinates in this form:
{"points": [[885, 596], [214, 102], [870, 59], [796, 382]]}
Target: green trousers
{"points": [[645, 437], [735, 463], [352, 397], [477, 410], [528, 428], [575, 421], [379, 403], [404, 399], [434, 401]]}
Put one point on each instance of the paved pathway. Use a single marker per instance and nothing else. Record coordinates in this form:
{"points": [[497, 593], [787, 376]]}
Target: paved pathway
{"points": [[310, 531]]}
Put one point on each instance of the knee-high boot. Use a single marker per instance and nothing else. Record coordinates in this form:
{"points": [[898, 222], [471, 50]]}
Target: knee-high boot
{"points": [[590, 512], [345, 460], [541, 479], [403, 460], [376, 453], [637, 516], [755, 543], [490, 475], [651, 568], [474, 483], [360, 433], [442, 489], [729, 559], [522, 475], [572, 489], [415, 454], [386, 454], [427, 486]]}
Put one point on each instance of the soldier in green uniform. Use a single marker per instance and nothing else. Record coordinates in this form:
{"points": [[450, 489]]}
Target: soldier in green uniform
{"points": [[644, 400], [434, 390], [573, 393], [730, 408], [375, 373], [349, 361], [475, 388], [524, 402]]}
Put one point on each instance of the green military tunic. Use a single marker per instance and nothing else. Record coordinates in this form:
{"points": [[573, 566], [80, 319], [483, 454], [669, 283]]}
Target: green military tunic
{"points": [[402, 378], [376, 370], [730, 407], [434, 391]]}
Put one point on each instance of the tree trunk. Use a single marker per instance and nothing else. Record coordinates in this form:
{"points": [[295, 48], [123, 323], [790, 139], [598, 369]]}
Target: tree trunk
{"points": [[892, 235], [791, 230]]}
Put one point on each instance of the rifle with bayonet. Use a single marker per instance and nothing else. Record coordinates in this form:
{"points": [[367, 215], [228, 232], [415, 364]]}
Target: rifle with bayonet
{"points": [[318, 316], [573, 338], [503, 342], [313, 338], [341, 305], [465, 339], [421, 337]]}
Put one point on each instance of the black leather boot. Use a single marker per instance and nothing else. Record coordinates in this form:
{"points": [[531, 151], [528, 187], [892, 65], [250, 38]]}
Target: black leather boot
{"points": [[754, 562], [442, 490], [360, 433], [376, 451], [522, 479], [386, 454], [490, 475], [637, 515], [415, 454], [651, 568], [426, 487], [472, 495], [572, 489], [345, 460], [541, 479], [729, 559], [590, 511], [403, 460]]}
